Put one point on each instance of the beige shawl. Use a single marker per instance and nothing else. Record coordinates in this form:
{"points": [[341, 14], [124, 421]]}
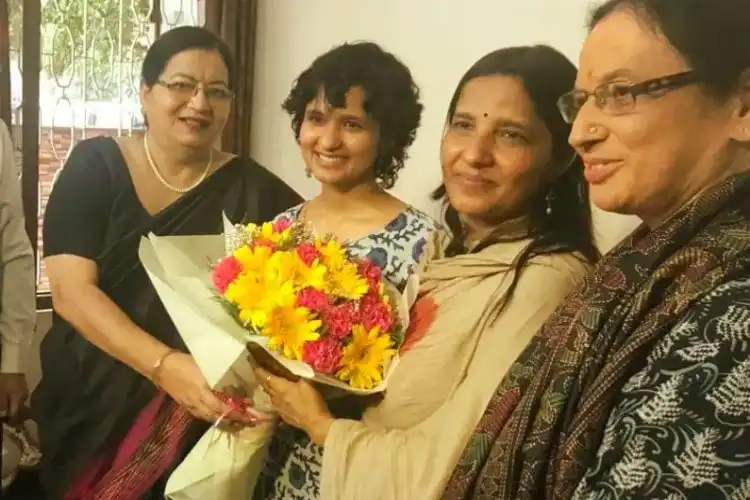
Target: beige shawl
{"points": [[456, 354]]}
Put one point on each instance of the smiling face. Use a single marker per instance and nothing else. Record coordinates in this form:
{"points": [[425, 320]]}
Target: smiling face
{"points": [[191, 101], [339, 145], [653, 157], [495, 151]]}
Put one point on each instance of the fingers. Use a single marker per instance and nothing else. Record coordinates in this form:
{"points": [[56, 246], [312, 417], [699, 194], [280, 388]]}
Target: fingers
{"points": [[212, 404], [213, 409], [201, 414], [263, 378], [271, 383], [235, 391]]}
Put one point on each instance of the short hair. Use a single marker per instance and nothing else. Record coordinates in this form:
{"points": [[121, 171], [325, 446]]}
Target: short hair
{"points": [[390, 94], [179, 40], [712, 35]]}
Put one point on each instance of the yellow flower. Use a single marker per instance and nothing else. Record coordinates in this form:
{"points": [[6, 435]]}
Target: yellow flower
{"points": [[253, 260], [256, 296], [334, 255], [346, 282], [289, 328], [279, 266], [266, 232], [308, 276], [286, 266], [363, 359]]}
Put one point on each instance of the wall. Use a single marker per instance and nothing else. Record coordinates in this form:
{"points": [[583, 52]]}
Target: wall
{"points": [[438, 40]]}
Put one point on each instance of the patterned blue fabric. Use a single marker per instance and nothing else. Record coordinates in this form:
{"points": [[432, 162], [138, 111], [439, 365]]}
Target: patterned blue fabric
{"points": [[292, 470], [681, 429]]}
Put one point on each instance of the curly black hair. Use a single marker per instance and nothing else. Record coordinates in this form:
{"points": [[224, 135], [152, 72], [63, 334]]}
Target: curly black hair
{"points": [[391, 98]]}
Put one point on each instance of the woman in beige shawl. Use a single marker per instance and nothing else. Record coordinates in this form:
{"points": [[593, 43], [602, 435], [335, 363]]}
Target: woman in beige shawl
{"points": [[520, 239]]}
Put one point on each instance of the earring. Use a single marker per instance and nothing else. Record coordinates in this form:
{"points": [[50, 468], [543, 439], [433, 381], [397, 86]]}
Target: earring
{"points": [[308, 172], [549, 204]]}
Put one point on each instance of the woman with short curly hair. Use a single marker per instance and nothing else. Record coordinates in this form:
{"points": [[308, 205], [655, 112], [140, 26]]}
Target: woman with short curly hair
{"points": [[364, 80], [355, 112]]}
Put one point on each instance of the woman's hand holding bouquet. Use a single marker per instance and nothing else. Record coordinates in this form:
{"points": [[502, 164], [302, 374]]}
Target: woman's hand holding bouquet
{"points": [[303, 306]]}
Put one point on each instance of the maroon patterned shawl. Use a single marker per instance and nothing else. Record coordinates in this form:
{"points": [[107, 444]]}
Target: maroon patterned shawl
{"points": [[544, 423]]}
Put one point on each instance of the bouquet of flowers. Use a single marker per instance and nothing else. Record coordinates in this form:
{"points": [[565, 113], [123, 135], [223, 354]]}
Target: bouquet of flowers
{"points": [[302, 300], [310, 302]]}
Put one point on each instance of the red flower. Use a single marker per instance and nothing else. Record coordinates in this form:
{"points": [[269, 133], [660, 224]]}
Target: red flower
{"points": [[324, 355], [371, 297], [281, 224], [236, 403], [225, 272], [377, 314], [313, 299], [339, 320], [371, 272], [307, 253]]}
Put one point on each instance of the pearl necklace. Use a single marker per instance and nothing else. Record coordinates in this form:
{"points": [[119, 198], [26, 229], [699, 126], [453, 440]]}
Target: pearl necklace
{"points": [[161, 178]]}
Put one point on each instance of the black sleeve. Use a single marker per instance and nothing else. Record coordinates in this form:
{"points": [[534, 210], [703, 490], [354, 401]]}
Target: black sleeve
{"points": [[77, 213]]}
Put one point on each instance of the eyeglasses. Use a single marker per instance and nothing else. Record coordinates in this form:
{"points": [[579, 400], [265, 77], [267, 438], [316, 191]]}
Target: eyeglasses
{"points": [[187, 90], [619, 98]]}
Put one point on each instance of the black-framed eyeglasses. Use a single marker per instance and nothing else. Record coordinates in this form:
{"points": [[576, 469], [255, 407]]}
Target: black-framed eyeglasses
{"points": [[188, 90], [619, 98]]}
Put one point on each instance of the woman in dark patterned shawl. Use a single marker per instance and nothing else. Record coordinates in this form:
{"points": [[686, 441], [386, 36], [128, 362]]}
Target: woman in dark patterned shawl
{"points": [[639, 386]]}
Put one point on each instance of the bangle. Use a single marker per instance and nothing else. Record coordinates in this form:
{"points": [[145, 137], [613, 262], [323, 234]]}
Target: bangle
{"points": [[154, 371]]}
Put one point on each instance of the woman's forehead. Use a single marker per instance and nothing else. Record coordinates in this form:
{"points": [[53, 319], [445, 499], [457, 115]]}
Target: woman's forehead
{"points": [[623, 46], [198, 64]]}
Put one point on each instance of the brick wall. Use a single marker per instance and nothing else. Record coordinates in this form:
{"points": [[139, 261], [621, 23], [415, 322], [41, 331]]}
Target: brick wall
{"points": [[54, 145]]}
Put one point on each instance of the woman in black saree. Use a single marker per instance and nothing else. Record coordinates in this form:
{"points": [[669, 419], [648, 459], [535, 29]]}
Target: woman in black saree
{"points": [[121, 401]]}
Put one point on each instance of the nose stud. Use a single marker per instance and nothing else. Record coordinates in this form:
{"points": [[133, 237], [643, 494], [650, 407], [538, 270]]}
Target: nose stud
{"points": [[593, 129]]}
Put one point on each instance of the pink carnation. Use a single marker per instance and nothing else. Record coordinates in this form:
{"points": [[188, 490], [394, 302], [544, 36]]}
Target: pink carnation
{"points": [[282, 224], [339, 320], [377, 314], [313, 299], [371, 272], [225, 272], [324, 355], [371, 297], [307, 253]]}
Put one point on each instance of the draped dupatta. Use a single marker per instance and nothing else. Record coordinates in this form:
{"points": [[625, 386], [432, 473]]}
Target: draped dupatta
{"points": [[459, 345]]}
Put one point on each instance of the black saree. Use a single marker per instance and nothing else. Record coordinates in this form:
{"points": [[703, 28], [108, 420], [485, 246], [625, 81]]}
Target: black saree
{"points": [[87, 402]]}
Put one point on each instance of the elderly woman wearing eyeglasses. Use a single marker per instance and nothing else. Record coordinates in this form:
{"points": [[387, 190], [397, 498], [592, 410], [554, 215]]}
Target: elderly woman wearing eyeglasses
{"points": [[639, 385], [121, 401]]}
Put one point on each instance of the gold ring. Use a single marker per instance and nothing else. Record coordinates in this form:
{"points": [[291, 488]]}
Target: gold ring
{"points": [[268, 379]]}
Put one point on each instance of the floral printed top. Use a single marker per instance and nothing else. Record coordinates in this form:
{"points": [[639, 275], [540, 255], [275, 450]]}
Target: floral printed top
{"points": [[292, 469], [681, 428]]}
